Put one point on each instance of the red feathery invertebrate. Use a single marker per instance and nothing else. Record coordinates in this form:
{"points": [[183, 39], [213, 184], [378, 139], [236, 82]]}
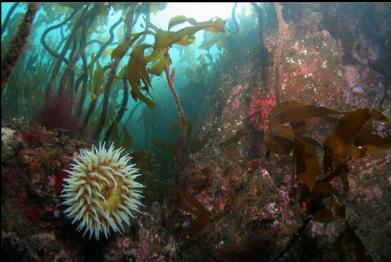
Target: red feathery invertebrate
{"points": [[258, 112]]}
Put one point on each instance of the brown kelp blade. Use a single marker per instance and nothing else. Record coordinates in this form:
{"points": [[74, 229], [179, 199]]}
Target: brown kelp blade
{"points": [[192, 205], [353, 136]]}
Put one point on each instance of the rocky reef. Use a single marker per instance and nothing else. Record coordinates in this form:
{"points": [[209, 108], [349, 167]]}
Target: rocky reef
{"points": [[234, 200]]}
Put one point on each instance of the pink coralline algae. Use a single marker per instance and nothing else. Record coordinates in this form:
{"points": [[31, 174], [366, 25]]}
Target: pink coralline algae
{"points": [[258, 112], [237, 90], [309, 68], [233, 101]]}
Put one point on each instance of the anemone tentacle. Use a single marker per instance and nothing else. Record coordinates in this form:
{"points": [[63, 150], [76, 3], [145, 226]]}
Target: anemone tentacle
{"points": [[101, 192]]}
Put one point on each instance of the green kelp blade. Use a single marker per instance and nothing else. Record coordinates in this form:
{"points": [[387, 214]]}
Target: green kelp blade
{"points": [[160, 62], [122, 48], [165, 39], [217, 25], [91, 65], [181, 19], [98, 80], [137, 94], [186, 40], [156, 7], [137, 64], [154, 56], [176, 20]]}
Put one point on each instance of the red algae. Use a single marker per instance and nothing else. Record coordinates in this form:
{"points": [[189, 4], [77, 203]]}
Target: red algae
{"points": [[33, 214], [57, 113], [59, 181]]}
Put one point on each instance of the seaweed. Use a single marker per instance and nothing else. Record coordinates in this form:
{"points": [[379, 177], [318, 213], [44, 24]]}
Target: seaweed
{"points": [[92, 79], [137, 72], [57, 113], [192, 205], [351, 138], [17, 45], [349, 242], [121, 49], [159, 58], [7, 17]]}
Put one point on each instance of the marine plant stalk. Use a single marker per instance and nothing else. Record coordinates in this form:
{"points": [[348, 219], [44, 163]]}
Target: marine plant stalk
{"points": [[183, 126], [108, 87], [17, 44], [43, 37], [122, 110], [64, 81], [264, 53], [128, 21], [7, 18], [105, 107], [282, 28], [92, 107], [84, 85], [129, 26], [84, 75], [79, 23], [60, 59]]}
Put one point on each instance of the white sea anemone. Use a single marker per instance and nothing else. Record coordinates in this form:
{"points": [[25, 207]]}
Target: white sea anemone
{"points": [[101, 191]]}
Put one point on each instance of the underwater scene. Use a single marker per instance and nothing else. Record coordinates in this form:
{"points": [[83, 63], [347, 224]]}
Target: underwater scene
{"points": [[195, 131]]}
